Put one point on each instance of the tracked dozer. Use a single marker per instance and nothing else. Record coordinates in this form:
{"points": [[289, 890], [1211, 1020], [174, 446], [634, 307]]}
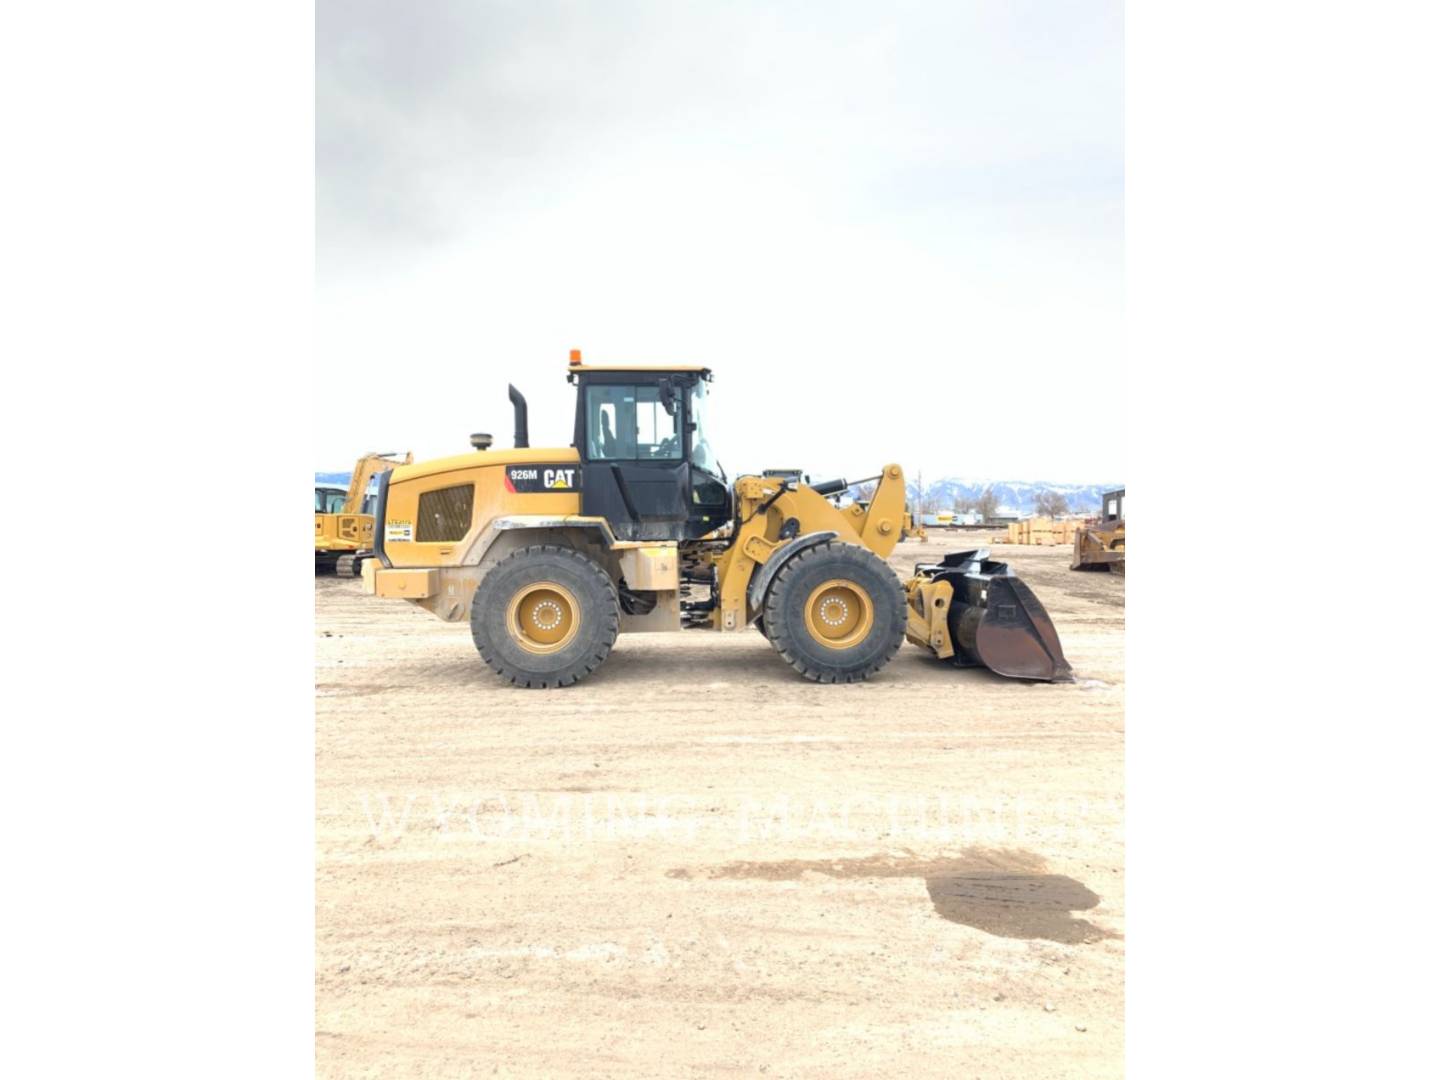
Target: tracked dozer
{"points": [[1101, 544], [344, 529], [549, 554]]}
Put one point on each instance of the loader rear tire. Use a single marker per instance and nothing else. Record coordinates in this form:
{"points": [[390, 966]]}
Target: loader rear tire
{"points": [[545, 616], [836, 612]]}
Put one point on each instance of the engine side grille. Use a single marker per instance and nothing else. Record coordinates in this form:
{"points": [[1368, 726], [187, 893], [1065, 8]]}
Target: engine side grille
{"points": [[445, 514]]}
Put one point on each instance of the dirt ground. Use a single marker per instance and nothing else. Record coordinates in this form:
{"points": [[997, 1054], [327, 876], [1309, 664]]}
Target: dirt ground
{"points": [[697, 862]]}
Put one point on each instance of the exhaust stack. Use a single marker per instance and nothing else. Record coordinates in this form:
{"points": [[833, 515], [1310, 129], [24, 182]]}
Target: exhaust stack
{"points": [[522, 418]]}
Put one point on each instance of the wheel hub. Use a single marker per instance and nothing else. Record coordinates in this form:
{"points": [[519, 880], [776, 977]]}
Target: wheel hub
{"points": [[839, 614], [543, 617]]}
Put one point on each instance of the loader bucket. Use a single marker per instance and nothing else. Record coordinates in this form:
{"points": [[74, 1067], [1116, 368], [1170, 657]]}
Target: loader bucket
{"points": [[996, 621], [1016, 637]]}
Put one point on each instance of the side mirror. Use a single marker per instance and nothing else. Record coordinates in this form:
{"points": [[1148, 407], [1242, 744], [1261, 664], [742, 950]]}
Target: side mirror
{"points": [[669, 395]]}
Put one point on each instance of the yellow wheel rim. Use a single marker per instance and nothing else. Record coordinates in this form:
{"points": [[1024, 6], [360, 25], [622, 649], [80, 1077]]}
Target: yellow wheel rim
{"points": [[839, 614], [543, 617]]}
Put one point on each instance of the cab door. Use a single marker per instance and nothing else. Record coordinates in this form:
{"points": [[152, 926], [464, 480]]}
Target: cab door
{"points": [[635, 471]]}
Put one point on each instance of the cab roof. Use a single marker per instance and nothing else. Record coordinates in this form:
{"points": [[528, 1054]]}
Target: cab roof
{"points": [[579, 365], [639, 367]]}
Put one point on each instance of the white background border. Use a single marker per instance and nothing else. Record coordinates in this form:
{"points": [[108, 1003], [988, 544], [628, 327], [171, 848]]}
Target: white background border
{"points": [[1282, 242]]}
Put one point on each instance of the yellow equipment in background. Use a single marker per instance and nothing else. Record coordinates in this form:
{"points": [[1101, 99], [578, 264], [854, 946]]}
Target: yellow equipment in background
{"points": [[912, 529], [344, 532], [549, 554], [1102, 546]]}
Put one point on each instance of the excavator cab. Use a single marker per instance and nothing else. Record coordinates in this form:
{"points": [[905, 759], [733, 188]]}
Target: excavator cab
{"points": [[645, 455], [329, 500]]}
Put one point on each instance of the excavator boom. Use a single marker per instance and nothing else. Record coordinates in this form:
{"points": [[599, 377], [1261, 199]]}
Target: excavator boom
{"points": [[342, 539]]}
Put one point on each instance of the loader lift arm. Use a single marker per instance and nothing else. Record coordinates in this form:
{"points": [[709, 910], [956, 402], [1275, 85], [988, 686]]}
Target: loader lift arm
{"points": [[765, 508]]}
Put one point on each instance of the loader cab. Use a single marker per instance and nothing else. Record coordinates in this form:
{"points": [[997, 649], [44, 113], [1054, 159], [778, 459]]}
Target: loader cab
{"points": [[647, 465]]}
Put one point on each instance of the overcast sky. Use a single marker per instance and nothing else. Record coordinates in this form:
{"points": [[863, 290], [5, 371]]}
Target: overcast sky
{"points": [[894, 230]]}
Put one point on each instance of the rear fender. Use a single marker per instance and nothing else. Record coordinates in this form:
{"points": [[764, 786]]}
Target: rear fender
{"points": [[506, 534], [448, 591]]}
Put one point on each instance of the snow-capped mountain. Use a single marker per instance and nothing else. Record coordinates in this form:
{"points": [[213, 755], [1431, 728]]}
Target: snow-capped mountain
{"points": [[1015, 496]]}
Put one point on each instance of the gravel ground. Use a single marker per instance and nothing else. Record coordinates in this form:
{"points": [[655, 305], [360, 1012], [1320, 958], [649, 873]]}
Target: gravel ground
{"points": [[697, 862]]}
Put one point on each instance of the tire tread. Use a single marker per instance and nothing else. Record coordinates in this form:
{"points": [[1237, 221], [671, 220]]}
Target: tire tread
{"points": [[610, 625], [783, 636]]}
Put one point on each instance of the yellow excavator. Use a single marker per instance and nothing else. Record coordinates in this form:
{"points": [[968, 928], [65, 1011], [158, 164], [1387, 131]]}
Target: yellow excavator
{"points": [[344, 530], [549, 554]]}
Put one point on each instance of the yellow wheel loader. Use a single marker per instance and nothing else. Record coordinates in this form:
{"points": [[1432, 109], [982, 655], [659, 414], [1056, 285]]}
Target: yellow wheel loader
{"points": [[549, 554], [344, 531]]}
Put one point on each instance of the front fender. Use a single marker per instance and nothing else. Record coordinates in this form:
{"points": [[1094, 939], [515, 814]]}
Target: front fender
{"points": [[760, 581]]}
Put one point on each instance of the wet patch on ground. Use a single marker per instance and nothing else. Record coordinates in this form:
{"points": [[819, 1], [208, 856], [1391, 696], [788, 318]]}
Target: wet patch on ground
{"points": [[1006, 893]]}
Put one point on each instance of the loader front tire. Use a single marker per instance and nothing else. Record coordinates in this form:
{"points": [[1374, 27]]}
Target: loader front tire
{"points": [[836, 612], [545, 616]]}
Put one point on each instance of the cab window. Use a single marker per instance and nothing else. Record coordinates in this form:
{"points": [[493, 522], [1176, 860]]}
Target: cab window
{"points": [[630, 423], [328, 501]]}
